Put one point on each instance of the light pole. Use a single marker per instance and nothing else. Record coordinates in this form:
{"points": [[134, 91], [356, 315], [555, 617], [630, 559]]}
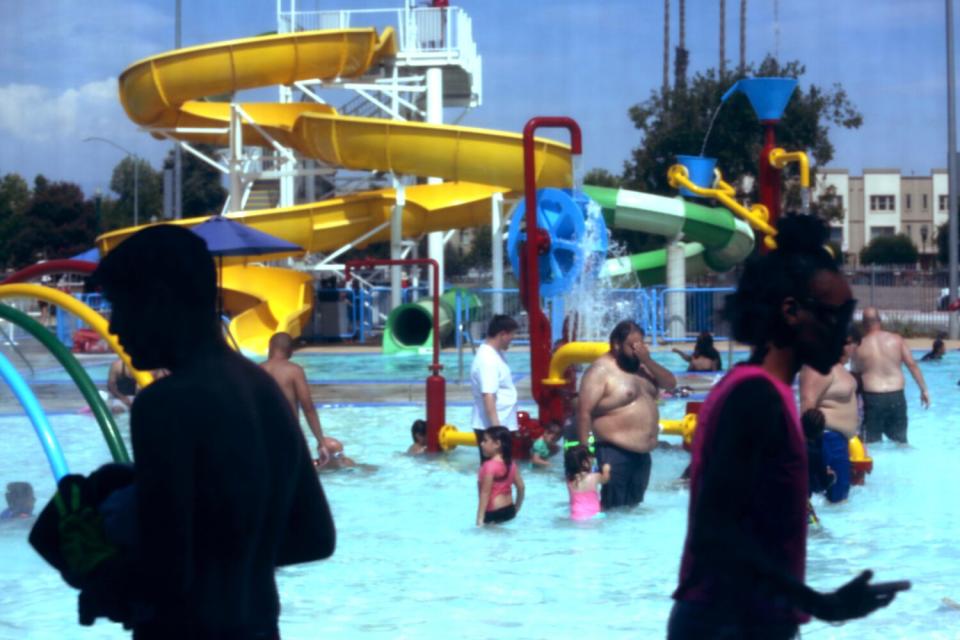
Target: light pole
{"points": [[136, 174]]}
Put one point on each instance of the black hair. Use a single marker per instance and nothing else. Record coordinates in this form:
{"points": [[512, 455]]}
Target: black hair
{"points": [[504, 437], [418, 428], [575, 460], [499, 323], [754, 311], [623, 329]]}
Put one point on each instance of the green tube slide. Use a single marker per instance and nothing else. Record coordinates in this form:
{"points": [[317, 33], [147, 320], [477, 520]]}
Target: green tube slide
{"points": [[79, 376], [714, 238], [409, 327]]}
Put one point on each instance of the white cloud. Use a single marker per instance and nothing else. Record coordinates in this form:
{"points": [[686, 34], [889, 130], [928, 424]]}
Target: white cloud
{"points": [[42, 131]]}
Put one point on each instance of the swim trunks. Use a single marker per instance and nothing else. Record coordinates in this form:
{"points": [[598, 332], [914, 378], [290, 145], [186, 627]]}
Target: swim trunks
{"points": [[697, 620], [836, 455], [629, 475], [503, 514], [885, 414]]}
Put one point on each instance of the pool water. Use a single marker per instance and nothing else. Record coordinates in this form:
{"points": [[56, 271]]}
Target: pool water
{"points": [[410, 563]]}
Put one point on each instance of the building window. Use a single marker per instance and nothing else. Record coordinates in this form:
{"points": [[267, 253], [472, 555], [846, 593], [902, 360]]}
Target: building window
{"points": [[880, 232], [909, 203], [942, 202], [882, 203], [909, 231], [924, 202]]}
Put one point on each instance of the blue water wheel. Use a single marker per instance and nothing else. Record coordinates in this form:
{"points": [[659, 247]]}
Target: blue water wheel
{"points": [[563, 220]]}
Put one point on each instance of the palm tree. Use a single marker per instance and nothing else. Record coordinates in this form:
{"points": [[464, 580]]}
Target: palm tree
{"points": [[666, 47], [723, 36], [743, 36]]}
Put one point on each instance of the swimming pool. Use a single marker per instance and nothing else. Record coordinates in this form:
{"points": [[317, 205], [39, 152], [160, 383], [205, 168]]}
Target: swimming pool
{"points": [[410, 564]]}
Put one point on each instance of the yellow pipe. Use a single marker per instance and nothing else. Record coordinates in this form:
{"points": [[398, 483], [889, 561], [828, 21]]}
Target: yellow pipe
{"points": [[858, 452], [757, 215], [684, 427], [779, 158], [450, 438], [82, 311], [573, 353]]}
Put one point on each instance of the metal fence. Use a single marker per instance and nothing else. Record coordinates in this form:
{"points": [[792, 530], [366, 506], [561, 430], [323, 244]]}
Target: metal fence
{"points": [[910, 300]]}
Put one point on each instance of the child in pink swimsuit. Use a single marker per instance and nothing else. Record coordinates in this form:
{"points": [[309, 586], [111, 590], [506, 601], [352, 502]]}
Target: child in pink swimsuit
{"points": [[582, 482], [497, 477]]}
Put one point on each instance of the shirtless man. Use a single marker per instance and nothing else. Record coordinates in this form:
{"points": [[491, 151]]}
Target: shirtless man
{"points": [[835, 396], [293, 382], [618, 401], [878, 360]]}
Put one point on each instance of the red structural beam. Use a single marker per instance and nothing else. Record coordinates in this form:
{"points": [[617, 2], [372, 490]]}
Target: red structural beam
{"points": [[436, 386], [769, 176], [51, 266], [537, 244]]}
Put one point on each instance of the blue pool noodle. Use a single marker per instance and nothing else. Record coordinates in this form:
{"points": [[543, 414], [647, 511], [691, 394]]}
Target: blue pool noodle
{"points": [[58, 464]]}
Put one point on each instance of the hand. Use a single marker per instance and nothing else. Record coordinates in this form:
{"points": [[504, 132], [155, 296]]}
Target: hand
{"points": [[925, 399], [641, 351], [323, 456], [856, 599]]}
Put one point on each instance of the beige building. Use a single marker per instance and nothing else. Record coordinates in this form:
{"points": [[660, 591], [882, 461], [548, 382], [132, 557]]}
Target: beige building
{"points": [[883, 202]]}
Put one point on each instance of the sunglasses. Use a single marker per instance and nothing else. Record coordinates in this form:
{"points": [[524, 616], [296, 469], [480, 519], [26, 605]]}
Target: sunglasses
{"points": [[834, 315]]}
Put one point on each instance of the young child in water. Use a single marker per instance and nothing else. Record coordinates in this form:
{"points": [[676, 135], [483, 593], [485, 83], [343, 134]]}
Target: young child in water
{"points": [[418, 431], [546, 445], [582, 482], [20, 501], [497, 477]]}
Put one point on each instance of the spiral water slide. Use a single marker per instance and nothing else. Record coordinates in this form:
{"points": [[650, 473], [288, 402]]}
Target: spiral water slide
{"points": [[164, 91]]}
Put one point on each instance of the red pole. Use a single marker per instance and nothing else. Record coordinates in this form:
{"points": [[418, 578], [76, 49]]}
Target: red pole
{"points": [[537, 244], [436, 390], [769, 176]]}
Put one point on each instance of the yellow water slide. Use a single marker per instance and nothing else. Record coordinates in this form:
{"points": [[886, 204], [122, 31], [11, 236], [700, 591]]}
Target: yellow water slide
{"points": [[164, 93]]}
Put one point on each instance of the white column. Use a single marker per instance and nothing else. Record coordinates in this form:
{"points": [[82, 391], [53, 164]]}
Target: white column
{"points": [[676, 307], [236, 153], [435, 116], [396, 243], [496, 248]]}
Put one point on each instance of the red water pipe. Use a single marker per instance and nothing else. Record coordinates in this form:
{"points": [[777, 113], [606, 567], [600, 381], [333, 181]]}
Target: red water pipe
{"points": [[769, 176], [537, 244], [436, 390], [50, 266]]}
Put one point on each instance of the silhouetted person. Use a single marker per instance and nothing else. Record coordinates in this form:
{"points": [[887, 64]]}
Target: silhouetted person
{"points": [[225, 488], [705, 356], [744, 557]]}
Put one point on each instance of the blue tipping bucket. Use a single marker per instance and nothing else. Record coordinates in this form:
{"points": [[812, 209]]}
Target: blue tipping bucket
{"points": [[701, 173], [768, 96]]}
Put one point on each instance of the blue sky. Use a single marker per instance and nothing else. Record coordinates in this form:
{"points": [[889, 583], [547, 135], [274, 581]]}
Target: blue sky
{"points": [[59, 60]]}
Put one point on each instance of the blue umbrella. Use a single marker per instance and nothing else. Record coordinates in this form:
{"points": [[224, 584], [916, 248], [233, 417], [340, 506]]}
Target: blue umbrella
{"points": [[226, 237], [90, 255]]}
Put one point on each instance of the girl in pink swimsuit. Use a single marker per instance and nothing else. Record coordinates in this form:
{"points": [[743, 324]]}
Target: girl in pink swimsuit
{"points": [[497, 477], [582, 482]]}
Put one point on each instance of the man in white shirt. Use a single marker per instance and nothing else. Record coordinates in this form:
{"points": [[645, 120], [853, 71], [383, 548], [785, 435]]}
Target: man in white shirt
{"points": [[494, 394]]}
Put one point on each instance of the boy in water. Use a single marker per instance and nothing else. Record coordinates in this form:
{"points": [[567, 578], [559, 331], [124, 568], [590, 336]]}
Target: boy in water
{"points": [[20, 501]]}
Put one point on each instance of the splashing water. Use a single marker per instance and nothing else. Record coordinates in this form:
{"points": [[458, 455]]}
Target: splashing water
{"points": [[597, 301], [706, 137]]}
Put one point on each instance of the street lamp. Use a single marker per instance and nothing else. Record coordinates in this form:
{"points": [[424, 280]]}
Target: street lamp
{"points": [[136, 174]]}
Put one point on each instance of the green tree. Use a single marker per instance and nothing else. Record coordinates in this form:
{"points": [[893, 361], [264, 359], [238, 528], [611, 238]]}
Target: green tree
{"points": [[203, 193], [14, 198], [56, 223], [677, 121], [129, 173], [598, 177], [943, 243], [898, 249]]}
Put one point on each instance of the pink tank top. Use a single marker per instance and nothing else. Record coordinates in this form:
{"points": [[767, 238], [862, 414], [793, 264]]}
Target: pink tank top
{"points": [[779, 520], [502, 486], [583, 504]]}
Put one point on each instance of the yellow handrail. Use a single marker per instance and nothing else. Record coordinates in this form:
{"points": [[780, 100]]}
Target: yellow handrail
{"points": [[757, 215], [779, 158], [573, 353]]}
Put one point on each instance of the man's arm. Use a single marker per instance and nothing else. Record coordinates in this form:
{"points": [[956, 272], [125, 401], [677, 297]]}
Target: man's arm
{"points": [[683, 354], [115, 370], [490, 408], [812, 387], [908, 360], [302, 391], [310, 533], [591, 391], [663, 378], [162, 434]]}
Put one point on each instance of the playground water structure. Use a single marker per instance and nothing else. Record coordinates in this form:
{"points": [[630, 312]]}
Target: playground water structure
{"points": [[162, 94], [541, 575]]}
